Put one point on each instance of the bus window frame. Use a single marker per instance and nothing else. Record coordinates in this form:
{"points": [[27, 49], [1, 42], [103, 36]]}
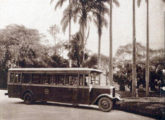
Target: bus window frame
{"points": [[86, 78], [30, 81], [16, 79], [94, 75]]}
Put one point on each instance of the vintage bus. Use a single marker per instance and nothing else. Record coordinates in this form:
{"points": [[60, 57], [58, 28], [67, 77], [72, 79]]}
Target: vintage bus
{"points": [[66, 85]]}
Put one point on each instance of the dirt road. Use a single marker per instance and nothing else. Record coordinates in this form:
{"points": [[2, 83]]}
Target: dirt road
{"points": [[15, 109]]}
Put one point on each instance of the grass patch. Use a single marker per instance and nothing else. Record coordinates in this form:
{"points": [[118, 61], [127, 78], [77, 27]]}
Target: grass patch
{"points": [[155, 110]]}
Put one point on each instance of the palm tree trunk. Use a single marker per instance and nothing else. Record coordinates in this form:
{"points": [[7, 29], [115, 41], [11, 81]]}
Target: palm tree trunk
{"points": [[99, 50], [99, 55], [83, 45], [70, 61], [147, 52], [134, 54], [110, 49], [83, 34]]}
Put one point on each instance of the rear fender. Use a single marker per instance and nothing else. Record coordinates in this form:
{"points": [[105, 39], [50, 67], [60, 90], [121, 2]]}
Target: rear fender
{"points": [[27, 91]]}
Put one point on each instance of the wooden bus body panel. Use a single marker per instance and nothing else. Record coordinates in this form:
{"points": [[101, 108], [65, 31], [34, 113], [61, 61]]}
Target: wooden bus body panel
{"points": [[57, 93]]}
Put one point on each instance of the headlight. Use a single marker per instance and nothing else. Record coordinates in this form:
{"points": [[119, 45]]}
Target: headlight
{"points": [[112, 91]]}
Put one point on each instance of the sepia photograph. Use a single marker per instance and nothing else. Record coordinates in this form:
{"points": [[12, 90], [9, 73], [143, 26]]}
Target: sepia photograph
{"points": [[82, 59]]}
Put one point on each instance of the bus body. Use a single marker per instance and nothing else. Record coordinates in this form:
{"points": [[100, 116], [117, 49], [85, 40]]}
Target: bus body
{"points": [[66, 85]]}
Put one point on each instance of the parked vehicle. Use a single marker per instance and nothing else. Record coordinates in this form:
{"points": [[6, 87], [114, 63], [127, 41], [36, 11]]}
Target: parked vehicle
{"points": [[66, 85]]}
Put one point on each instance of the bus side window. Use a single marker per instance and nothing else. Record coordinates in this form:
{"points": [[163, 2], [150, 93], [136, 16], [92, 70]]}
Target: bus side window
{"points": [[67, 80], [73, 80], [44, 79], [17, 78], [61, 79], [26, 78], [48, 79], [53, 79], [86, 80], [12, 77], [81, 80], [36, 78]]}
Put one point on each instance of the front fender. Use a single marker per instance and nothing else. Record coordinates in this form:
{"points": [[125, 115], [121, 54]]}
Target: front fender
{"points": [[103, 95]]}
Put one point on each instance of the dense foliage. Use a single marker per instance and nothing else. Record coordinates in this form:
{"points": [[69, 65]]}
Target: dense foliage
{"points": [[21, 47], [123, 75], [76, 52]]}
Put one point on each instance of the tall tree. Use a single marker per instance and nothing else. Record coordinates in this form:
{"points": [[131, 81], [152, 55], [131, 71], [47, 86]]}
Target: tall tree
{"points": [[147, 51], [69, 16], [134, 52], [19, 45], [78, 10], [76, 53], [70, 61], [110, 39], [100, 22], [53, 30], [147, 47]]}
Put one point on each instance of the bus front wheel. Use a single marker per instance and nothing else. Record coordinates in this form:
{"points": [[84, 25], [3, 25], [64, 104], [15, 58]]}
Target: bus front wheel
{"points": [[28, 98], [105, 104]]}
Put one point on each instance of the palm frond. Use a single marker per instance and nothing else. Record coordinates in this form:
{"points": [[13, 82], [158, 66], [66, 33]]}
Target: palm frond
{"points": [[59, 3], [51, 1], [87, 36], [116, 3], [139, 2], [99, 11], [65, 22]]}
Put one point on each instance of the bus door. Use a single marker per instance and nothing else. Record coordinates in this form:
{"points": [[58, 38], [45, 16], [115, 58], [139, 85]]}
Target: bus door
{"points": [[70, 93], [14, 88], [83, 91], [47, 91], [61, 89]]}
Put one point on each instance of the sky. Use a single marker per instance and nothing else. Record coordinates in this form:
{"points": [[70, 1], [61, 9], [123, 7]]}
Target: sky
{"points": [[40, 15]]}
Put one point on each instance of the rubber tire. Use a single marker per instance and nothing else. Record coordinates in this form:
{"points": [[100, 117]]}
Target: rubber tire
{"points": [[105, 104], [28, 98]]}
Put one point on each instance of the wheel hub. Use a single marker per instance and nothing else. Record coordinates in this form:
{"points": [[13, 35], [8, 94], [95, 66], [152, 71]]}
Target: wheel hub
{"points": [[105, 104]]}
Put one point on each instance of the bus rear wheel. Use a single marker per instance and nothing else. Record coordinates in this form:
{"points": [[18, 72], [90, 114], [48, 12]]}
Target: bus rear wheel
{"points": [[105, 104], [28, 98]]}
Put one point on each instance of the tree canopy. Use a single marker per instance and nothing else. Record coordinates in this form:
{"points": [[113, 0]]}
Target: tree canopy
{"points": [[21, 47]]}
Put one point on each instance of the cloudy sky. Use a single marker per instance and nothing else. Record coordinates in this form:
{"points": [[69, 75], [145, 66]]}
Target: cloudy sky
{"points": [[40, 14]]}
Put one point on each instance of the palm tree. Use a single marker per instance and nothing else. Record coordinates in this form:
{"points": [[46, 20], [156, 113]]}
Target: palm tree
{"points": [[53, 30], [110, 40], [60, 3], [134, 53], [147, 52], [100, 21], [147, 47], [79, 11], [70, 61]]}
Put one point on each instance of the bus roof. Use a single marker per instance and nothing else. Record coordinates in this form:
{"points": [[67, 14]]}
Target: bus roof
{"points": [[56, 70]]}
